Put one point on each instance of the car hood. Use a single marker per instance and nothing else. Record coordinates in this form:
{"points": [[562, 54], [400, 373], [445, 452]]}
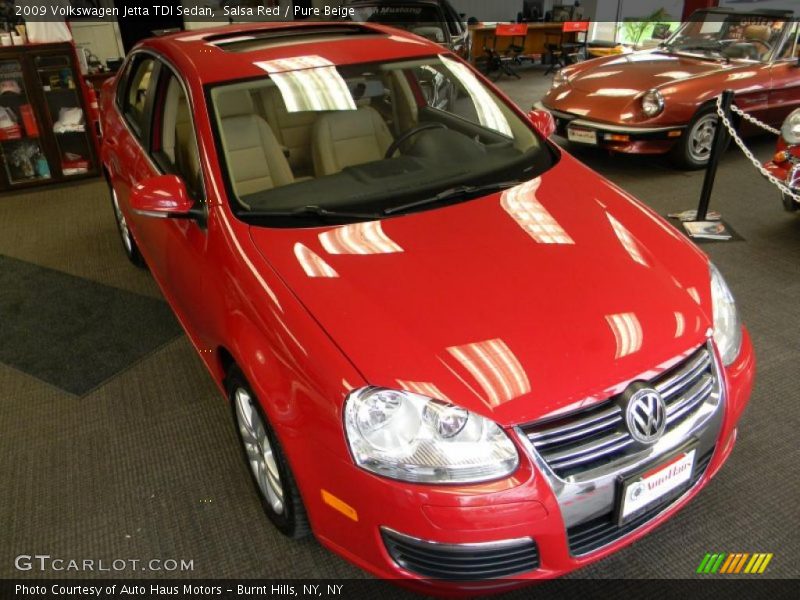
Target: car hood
{"points": [[638, 72], [515, 305]]}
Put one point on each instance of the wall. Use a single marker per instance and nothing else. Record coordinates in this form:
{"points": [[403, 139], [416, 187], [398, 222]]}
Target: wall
{"points": [[101, 38]]}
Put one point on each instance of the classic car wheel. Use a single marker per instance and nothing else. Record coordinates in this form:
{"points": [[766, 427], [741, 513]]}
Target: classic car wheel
{"points": [[273, 479], [694, 148], [128, 243], [789, 203]]}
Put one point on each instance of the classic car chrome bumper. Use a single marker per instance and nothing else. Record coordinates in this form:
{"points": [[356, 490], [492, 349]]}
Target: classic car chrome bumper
{"points": [[563, 119]]}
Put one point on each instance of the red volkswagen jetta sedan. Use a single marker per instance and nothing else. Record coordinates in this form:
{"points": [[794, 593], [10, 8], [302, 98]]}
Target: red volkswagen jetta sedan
{"points": [[452, 351]]}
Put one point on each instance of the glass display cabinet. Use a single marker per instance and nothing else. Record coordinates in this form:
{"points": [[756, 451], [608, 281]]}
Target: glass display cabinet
{"points": [[45, 134]]}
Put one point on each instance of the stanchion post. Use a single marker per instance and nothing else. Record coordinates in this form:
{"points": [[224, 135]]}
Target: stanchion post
{"points": [[718, 145]]}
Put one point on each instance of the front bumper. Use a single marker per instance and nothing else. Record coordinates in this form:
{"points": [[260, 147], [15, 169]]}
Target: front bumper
{"points": [[615, 137], [442, 525]]}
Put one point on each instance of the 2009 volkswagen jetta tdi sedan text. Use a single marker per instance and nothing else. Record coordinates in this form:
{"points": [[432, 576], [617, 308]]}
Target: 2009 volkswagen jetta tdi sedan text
{"points": [[452, 351]]}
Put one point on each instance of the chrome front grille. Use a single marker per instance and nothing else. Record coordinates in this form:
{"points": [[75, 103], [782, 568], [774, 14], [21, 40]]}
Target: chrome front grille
{"points": [[591, 438]]}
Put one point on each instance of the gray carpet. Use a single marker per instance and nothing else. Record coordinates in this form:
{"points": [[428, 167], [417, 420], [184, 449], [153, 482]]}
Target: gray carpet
{"points": [[146, 464]]}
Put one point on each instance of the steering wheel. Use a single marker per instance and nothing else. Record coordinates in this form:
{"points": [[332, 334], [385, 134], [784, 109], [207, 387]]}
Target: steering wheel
{"points": [[766, 45], [409, 133]]}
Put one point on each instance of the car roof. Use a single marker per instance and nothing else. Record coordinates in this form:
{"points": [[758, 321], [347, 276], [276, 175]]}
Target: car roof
{"points": [[228, 53]]}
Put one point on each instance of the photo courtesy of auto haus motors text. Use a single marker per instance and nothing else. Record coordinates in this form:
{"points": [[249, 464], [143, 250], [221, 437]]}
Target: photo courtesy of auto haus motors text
{"points": [[158, 590], [399, 299]]}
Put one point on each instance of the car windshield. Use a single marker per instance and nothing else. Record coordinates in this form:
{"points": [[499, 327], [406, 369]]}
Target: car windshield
{"points": [[729, 36], [425, 20], [313, 140]]}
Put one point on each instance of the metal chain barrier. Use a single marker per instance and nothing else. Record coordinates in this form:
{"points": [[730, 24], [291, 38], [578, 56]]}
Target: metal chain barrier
{"points": [[756, 163], [751, 119]]}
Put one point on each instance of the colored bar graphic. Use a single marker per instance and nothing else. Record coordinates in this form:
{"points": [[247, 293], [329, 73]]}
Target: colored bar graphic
{"points": [[727, 564], [733, 563], [703, 563], [765, 563]]}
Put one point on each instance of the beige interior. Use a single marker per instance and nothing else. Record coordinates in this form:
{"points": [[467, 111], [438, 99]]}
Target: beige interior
{"points": [[758, 32], [293, 130], [345, 138], [178, 141], [256, 161]]}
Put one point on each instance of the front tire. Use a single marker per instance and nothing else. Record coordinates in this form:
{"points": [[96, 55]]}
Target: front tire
{"points": [[128, 243], [789, 204], [693, 150], [269, 469]]}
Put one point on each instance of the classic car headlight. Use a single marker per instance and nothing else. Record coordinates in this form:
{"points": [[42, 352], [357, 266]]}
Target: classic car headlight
{"points": [[652, 103], [791, 128], [727, 326], [414, 438], [560, 78]]}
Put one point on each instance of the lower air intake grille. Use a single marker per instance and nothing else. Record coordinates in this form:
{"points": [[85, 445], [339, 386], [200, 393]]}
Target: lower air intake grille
{"points": [[471, 562], [598, 532]]}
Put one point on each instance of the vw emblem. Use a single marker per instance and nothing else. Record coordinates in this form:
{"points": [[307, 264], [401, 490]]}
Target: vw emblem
{"points": [[646, 416]]}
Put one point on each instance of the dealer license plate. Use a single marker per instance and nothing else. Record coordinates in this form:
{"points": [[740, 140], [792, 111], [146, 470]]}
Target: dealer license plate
{"points": [[647, 489], [582, 136]]}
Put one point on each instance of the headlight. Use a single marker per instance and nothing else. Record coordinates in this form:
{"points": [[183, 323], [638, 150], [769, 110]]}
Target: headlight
{"points": [[415, 438], [560, 78], [653, 103], [727, 327], [791, 128]]}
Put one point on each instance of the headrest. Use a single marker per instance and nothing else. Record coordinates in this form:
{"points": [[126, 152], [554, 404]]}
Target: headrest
{"points": [[235, 103], [758, 32]]}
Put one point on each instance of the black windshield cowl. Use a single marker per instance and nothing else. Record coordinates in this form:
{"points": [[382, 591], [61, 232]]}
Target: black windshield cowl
{"points": [[456, 193], [315, 211]]}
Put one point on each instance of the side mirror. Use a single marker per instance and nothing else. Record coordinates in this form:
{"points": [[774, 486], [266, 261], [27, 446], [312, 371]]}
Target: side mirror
{"points": [[543, 121], [164, 196]]}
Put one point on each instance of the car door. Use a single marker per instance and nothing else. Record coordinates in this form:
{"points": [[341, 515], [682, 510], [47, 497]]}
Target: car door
{"points": [[784, 95], [177, 247]]}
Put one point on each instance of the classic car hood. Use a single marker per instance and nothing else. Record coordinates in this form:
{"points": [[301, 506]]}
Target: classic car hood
{"points": [[514, 305], [632, 74]]}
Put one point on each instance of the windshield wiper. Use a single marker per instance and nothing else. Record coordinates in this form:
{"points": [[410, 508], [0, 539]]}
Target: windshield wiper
{"points": [[314, 210], [451, 194]]}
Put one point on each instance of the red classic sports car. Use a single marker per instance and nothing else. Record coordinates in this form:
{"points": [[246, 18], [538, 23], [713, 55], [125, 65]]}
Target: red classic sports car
{"points": [[663, 101], [785, 165], [452, 351]]}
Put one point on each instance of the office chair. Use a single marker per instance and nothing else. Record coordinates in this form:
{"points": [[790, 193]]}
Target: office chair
{"points": [[513, 54]]}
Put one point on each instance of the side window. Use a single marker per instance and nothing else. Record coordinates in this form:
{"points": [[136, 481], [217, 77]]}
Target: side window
{"points": [[134, 99], [790, 49], [174, 141]]}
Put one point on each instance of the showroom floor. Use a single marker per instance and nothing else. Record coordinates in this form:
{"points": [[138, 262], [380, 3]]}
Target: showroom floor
{"points": [[115, 443]]}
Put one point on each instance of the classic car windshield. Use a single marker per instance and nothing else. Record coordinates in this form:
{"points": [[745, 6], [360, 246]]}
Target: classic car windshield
{"points": [[732, 36], [310, 138]]}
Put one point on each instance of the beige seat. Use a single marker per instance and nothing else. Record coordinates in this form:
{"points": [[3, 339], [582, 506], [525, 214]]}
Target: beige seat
{"points": [[346, 138], [254, 156], [292, 129], [759, 33]]}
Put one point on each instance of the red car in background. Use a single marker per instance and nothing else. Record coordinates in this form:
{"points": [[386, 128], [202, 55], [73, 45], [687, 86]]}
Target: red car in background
{"points": [[785, 165], [453, 353], [662, 101]]}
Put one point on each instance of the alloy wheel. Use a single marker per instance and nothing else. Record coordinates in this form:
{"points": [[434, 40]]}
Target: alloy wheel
{"points": [[701, 138], [259, 450]]}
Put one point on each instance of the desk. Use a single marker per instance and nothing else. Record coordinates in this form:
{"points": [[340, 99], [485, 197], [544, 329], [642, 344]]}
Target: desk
{"points": [[539, 35]]}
